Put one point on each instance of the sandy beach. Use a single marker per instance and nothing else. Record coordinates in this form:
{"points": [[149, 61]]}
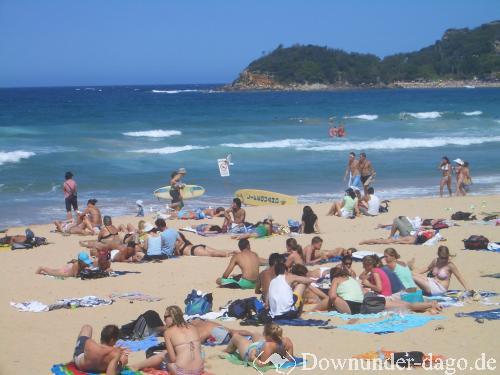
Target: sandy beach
{"points": [[32, 342]]}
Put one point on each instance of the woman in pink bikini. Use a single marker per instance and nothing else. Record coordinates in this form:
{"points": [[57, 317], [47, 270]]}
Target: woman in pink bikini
{"points": [[435, 279]]}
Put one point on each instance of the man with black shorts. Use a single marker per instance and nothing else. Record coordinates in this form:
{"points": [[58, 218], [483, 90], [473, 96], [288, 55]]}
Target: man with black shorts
{"points": [[70, 196], [366, 170]]}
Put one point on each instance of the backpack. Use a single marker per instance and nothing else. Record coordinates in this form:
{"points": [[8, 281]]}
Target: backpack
{"points": [[145, 325], [459, 215], [476, 243], [244, 308], [407, 359], [198, 303], [372, 304], [384, 207]]}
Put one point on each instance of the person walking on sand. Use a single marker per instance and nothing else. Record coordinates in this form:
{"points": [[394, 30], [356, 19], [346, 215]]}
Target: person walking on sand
{"points": [[463, 180], [70, 194], [175, 188], [353, 170], [446, 171]]}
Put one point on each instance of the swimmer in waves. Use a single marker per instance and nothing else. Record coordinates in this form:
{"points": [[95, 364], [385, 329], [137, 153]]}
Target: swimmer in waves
{"points": [[337, 132]]}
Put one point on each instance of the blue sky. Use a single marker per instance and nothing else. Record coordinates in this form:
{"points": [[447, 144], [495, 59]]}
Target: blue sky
{"points": [[92, 42]]}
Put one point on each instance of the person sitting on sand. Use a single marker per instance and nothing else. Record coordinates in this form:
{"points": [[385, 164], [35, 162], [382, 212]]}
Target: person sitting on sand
{"points": [[93, 214], [346, 265], [71, 269], [185, 248], [400, 268], [312, 294], [265, 277], [417, 238], [248, 262], [309, 221], [169, 238], [260, 230], [109, 234], [152, 243], [258, 349], [284, 298], [311, 252], [370, 204], [89, 356], [347, 207], [83, 228], [183, 343], [238, 221], [345, 294], [295, 256], [435, 279]]}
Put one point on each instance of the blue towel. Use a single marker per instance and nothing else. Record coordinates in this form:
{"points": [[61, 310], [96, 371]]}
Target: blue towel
{"points": [[396, 323], [488, 315], [336, 314], [331, 260], [138, 345], [301, 322]]}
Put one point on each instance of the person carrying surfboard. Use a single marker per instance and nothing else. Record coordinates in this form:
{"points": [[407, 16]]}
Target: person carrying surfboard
{"points": [[175, 188]]}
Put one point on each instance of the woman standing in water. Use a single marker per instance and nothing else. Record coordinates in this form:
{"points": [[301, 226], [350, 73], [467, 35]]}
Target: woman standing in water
{"points": [[446, 171]]}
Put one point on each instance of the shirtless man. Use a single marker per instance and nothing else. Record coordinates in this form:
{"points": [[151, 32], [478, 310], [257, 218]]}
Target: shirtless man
{"points": [[83, 227], [239, 215], [265, 277], [93, 214], [366, 170], [353, 170], [315, 246], [89, 356], [248, 261]]}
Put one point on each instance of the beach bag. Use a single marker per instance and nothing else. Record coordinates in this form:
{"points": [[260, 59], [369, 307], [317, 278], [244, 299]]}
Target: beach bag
{"points": [[459, 215], [476, 243], [244, 308], [39, 241], [490, 217], [384, 207], [93, 273], [198, 303], [294, 225], [372, 304], [439, 225], [145, 325], [20, 246], [407, 359]]}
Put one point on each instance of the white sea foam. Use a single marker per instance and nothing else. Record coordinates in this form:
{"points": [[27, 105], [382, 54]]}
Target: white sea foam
{"points": [[14, 156], [422, 115], [173, 91], [169, 150], [154, 133], [473, 113], [382, 144], [364, 117]]}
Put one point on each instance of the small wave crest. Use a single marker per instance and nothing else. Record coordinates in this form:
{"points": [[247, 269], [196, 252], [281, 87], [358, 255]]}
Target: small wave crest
{"points": [[473, 113], [14, 156], [173, 91], [363, 117], [421, 115], [382, 144], [169, 150], [154, 133]]}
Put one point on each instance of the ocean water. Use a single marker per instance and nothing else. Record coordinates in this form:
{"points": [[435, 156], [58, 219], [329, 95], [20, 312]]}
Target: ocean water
{"points": [[122, 143]]}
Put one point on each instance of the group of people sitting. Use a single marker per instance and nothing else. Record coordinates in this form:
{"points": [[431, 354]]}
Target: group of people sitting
{"points": [[353, 204]]}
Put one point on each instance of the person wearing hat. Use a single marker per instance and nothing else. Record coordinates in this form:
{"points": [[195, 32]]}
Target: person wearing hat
{"points": [[152, 243], [71, 269], [70, 194], [463, 179], [175, 188], [93, 214]]}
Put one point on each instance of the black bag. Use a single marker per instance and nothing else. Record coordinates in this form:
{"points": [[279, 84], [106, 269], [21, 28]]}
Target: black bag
{"points": [[372, 304], [476, 242], [459, 215], [21, 246], [384, 207], [93, 273], [407, 359], [145, 325], [244, 308]]}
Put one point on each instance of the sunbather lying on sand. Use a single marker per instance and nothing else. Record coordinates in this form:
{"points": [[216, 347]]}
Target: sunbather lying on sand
{"points": [[412, 239], [71, 269], [185, 248]]}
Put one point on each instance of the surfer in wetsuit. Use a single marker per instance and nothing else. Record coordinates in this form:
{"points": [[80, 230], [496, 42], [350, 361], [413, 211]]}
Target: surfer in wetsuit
{"points": [[175, 188]]}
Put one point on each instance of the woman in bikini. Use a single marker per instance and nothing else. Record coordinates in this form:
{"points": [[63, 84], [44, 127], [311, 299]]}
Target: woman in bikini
{"points": [[259, 348], [184, 247], [435, 279], [108, 235], [446, 171], [295, 255], [182, 340], [71, 269]]}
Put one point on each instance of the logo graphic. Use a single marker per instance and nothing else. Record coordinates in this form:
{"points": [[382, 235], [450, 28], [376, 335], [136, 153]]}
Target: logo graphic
{"points": [[280, 363]]}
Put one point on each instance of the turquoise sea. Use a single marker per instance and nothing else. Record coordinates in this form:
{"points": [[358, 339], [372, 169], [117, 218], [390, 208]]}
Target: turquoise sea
{"points": [[122, 143]]}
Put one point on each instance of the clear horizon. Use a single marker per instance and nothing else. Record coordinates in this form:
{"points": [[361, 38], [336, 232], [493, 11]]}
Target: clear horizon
{"points": [[120, 43]]}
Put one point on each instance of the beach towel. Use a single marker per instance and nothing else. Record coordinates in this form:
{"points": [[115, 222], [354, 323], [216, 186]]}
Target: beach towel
{"points": [[67, 303], [493, 247], [289, 322], [342, 316], [70, 369], [135, 296], [387, 355], [236, 360], [138, 345], [359, 255], [395, 323], [331, 260], [494, 275], [488, 315]]}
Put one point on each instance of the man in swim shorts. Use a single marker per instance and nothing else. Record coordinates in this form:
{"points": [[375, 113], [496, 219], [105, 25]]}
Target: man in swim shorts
{"points": [[89, 356], [248, 261], [353, 170], [238, 220], [366, 170]]}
